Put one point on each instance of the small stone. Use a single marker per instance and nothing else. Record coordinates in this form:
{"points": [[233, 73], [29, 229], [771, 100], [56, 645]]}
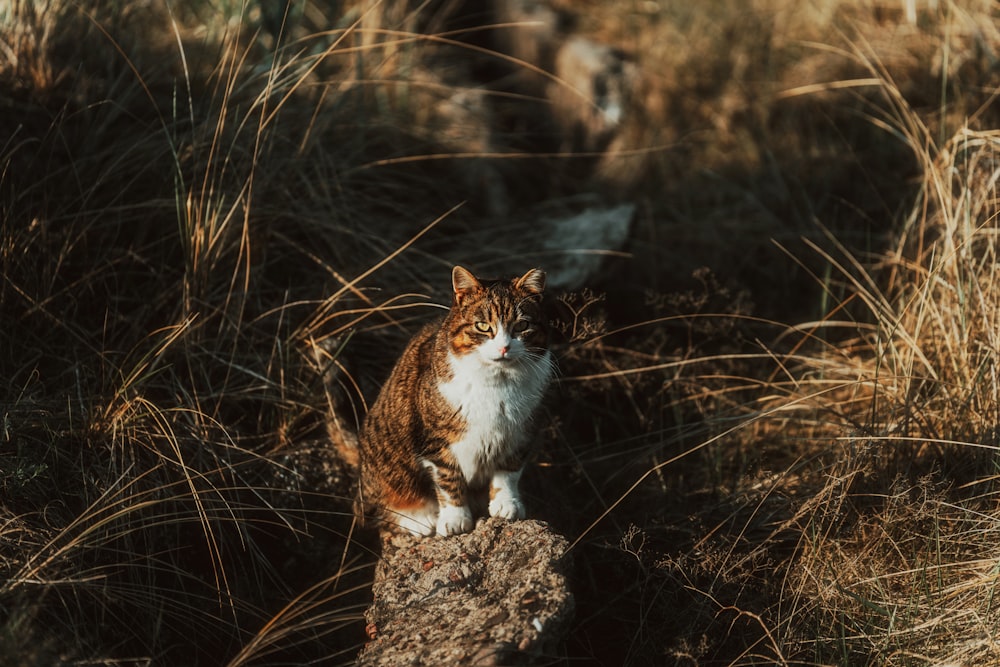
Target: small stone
{"points": [[530, 599], [496, 618]]}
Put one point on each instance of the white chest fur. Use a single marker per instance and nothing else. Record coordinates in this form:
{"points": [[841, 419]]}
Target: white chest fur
{"points": [[496, 401]]}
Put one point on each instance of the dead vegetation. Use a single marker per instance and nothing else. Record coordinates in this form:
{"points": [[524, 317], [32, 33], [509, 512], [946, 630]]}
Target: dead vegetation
{"points": [[774, 439]]}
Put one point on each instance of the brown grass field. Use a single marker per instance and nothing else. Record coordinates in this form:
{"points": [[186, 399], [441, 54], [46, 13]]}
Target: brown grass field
{"points": [[774, 439]]}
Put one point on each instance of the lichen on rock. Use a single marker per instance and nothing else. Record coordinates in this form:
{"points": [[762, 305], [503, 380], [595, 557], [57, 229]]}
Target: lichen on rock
{"points": [[495, 596]]}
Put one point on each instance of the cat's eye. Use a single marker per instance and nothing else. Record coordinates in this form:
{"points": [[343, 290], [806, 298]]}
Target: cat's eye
{"points": [[521, 326], [483, 327]]}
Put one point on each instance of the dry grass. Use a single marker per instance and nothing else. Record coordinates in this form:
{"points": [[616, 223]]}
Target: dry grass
{"points": [[775, 436]]}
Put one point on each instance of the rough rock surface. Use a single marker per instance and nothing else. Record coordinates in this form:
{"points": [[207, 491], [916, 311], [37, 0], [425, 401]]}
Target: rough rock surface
{"points": [[495, 596]]}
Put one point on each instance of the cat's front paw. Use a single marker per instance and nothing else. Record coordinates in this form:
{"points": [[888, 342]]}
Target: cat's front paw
{"points": [[507, 506], [454, 520], [418, 521], [416, 527]]}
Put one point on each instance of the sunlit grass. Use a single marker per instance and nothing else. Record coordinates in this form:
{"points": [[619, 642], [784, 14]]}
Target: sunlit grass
{"points": [[217, 230]]}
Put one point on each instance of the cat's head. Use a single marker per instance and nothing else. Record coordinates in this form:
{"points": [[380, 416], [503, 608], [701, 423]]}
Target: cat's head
{"points": [[499, 320]]}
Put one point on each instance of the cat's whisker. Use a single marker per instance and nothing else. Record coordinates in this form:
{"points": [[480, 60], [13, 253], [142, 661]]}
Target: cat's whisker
{"points": [[542, 355]]}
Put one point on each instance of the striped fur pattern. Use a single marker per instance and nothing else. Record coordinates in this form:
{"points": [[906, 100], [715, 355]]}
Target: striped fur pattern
{"points": [[453, 420]]}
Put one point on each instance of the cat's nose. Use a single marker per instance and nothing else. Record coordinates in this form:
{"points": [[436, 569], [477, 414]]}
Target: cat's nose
{"points": [[504, 349]]}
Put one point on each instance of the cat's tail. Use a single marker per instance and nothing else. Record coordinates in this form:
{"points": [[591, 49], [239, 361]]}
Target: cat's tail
{"points": [[341, 430], [369, 510], [344, 440], [342, 420]]}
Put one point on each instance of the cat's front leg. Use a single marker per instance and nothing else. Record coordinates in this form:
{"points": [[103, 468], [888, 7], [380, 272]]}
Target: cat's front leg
{"points": [[505, 499], [454, 514]]}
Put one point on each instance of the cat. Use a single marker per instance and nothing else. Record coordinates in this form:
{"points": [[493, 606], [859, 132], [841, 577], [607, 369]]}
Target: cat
{"points": [[454, 417]]}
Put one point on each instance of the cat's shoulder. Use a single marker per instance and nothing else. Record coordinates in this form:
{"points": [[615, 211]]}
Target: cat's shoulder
{"points": [[418, 357], [426, 335]]}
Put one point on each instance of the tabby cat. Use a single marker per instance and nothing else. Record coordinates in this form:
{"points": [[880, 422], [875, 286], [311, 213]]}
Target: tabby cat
{"points": [[453, 419]]}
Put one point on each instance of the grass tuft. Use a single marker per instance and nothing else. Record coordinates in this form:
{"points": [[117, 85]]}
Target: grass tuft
{"points": [[773, 439]]}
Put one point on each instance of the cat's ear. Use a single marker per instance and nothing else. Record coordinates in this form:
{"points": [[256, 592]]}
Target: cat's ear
{"points": [[532, 282], [464, 283]]}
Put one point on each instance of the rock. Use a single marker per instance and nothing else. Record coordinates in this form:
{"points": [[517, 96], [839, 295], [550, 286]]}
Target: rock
{"points": [[495, 596], [572, 239], [574, 246], [591, 92], [531, 33]]}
